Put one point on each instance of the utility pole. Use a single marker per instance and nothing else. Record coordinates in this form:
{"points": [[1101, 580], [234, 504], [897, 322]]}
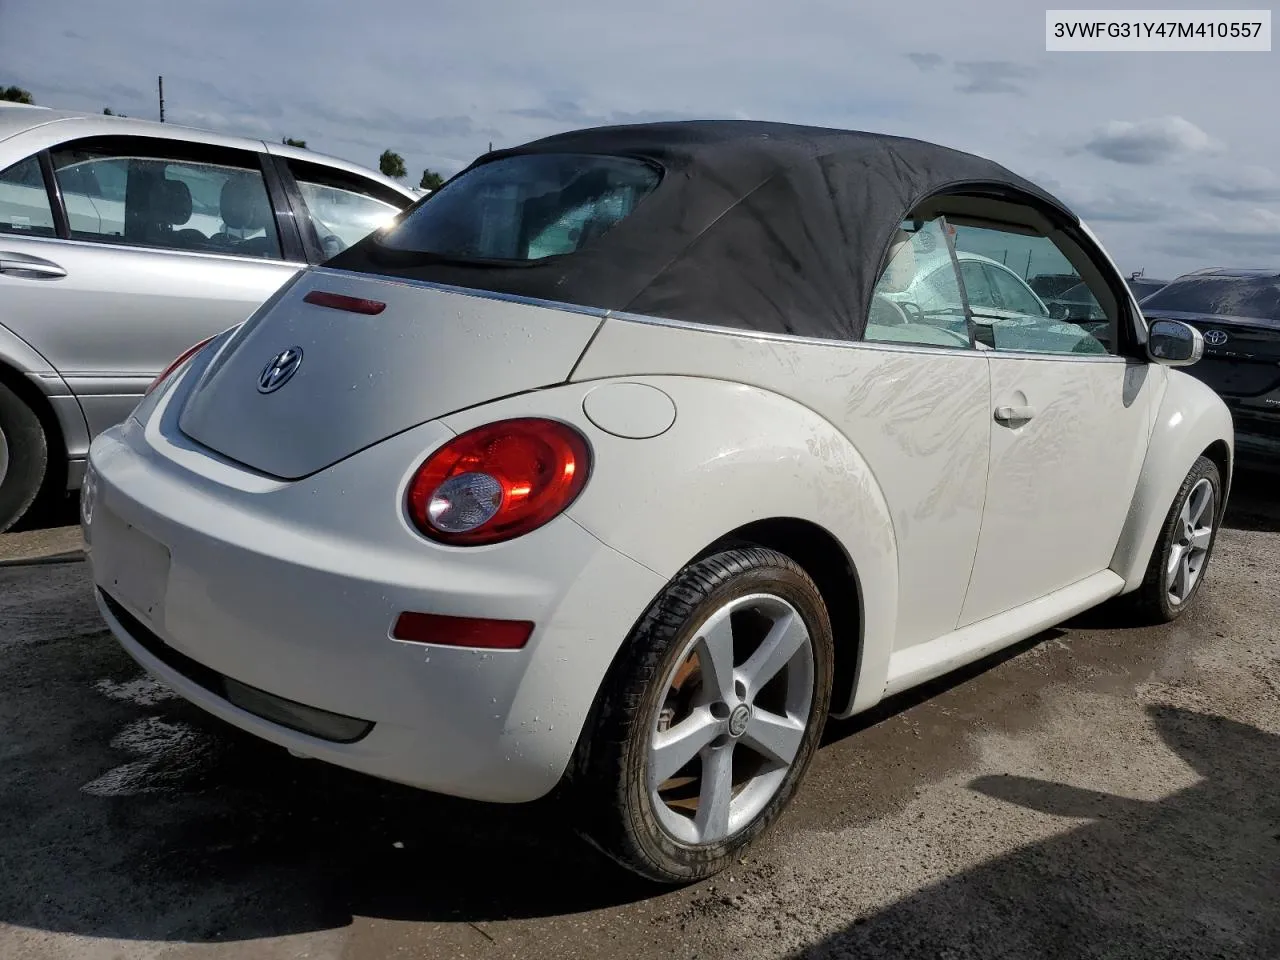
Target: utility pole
{"points": [[162, 99]]}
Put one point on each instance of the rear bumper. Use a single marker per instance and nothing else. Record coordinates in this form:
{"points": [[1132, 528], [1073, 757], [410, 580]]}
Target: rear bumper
{"points": [[216, 575]]}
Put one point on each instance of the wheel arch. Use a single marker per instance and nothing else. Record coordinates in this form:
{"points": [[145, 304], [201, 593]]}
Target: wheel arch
{"points": [[821, 555], [1191, 421]]}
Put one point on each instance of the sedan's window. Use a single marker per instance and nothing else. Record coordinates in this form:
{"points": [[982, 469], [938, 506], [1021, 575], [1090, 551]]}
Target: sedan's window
{"points": [[343, 208], [24, 202], [1009, 314], [524, 208], [1013, 294], [174, 204], [977, 285], [917, 299]]}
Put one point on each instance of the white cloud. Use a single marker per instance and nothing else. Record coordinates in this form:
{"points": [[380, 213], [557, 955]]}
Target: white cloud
{"points": [[1150, 141]]}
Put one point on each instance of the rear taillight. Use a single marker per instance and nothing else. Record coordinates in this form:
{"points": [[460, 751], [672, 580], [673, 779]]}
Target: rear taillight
{"points": [[498, 481], [182, 358]]}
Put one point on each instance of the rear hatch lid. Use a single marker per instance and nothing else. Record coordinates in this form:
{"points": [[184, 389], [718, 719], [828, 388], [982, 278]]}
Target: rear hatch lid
{"points": [[354, 378], [1241, 355]]}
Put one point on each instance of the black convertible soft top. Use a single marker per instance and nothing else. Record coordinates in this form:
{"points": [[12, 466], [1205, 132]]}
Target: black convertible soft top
{"points": [[760, 226]]}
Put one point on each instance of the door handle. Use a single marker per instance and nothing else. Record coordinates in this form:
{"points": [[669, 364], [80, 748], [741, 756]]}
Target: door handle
{"points": [[28, 267], [1008, 414]]}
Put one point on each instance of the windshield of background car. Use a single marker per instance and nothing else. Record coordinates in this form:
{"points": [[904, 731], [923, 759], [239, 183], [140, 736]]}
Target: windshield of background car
{"points": [[524, 208], [1226, 296]]}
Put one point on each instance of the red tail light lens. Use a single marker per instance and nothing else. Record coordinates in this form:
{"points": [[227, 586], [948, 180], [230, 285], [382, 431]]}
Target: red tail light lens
{"points": [[338, 301], [182, 358], [462, 631], [499, 481]]}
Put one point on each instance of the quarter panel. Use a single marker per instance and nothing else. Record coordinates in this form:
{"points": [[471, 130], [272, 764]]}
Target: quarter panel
{"points": [[1190, 418], [916, 417]]}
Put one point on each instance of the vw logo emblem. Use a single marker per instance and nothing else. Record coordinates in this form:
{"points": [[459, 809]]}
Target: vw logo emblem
{"points": [[279, 370], [1215, 338], [739, 719]]}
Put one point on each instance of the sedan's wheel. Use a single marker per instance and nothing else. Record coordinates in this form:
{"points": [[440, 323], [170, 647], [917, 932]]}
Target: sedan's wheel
{"points": [[23, 457], [1186, 541], [709, 718]]}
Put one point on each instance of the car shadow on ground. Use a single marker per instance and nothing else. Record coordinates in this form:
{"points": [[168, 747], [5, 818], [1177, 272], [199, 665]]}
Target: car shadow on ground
{"points": [[1192, 875]]}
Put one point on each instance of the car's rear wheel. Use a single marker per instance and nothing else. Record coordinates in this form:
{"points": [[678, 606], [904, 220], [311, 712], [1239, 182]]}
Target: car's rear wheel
{"points": [[710, 717], [1181, 556], [24, 457]]}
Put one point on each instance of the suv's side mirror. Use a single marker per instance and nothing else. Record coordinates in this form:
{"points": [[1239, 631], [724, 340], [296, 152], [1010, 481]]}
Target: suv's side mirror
{"points": [[1174, 343]]}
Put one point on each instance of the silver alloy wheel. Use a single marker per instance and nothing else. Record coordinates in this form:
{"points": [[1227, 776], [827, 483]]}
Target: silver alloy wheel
{"points": [[1191, 548], [732, 719], [4, 455]]}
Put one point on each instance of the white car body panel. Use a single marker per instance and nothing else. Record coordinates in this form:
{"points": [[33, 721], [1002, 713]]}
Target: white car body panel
{"points": [[925, 661], [1189, 419], [1059, 484], [519, 347]]}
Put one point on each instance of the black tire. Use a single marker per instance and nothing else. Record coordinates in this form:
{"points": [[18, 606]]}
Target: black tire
{"points": [[27, 454], [614, 811], [1151, 603]]}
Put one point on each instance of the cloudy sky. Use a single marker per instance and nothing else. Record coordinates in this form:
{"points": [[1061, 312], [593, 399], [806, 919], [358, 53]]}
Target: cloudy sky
{"points": [[1173, 158]]}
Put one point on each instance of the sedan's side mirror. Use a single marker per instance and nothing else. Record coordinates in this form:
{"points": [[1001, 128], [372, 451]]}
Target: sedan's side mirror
{"points": [[1173, 343]]}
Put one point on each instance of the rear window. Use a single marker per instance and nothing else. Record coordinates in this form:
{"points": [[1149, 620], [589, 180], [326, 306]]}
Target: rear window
{"points": [[524, 208], [1227, 296]]}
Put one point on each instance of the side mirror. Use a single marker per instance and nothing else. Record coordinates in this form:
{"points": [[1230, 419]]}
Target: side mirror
{"points": [[1174, 344]]}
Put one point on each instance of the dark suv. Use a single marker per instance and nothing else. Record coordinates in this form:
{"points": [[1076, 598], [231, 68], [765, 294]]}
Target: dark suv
{"points": [[1238, 311]]}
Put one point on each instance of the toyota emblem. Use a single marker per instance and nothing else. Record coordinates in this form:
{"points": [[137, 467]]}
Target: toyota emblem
{"points": [[279, 370], [1215, 338]]}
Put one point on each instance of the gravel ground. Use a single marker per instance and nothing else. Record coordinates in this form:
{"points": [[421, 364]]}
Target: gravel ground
{"points": [[1095, 792]]}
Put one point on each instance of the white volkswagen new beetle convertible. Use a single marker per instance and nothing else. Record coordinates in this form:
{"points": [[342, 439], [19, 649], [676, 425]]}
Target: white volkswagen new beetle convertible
{"points": [[619, 464]]}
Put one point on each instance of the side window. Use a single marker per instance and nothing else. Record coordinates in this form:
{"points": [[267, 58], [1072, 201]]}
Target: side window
{"points": [[343, 208], [1009, 315], [917, 299], [24, 202], [121, 193]]}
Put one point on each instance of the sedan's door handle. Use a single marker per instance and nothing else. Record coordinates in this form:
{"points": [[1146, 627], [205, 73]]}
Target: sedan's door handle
{"points": [[1008, 414], [28, 267]]}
